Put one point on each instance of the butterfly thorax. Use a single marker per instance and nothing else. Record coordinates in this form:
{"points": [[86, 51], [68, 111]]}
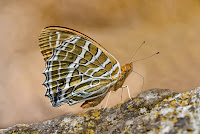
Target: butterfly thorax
{"points": [[125, 71]]}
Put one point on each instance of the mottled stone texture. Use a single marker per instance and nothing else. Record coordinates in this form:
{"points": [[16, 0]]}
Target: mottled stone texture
{"points": [[154, 111]]}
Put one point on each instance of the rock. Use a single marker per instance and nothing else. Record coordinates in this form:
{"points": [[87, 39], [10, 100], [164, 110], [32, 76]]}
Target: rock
{"points": [[154, 111]]}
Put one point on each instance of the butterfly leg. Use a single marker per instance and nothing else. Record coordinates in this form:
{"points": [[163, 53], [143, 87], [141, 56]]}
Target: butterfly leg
{"points": [[128, 91], [142, 79], [122, 94], [107, 100]]}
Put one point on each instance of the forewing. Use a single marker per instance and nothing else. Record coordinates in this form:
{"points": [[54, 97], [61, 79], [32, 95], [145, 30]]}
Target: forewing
{"points": [[50, 38], [77, 68]]}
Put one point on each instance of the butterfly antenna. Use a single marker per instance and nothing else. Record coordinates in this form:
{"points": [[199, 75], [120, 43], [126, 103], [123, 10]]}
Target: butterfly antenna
{"points": [[137, 50], [146, 57]]}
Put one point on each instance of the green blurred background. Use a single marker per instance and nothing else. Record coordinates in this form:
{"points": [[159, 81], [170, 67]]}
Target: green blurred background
{"points": [[169, 26]]}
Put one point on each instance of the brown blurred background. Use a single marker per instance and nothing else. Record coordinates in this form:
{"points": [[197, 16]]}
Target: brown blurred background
{"points": [[169, 26]]}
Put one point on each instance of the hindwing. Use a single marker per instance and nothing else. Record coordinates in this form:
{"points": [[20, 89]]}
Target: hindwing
{"points": [[77, 67]]}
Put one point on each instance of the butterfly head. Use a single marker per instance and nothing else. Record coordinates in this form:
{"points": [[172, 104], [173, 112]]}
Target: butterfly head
{"points": [[127, 68]]}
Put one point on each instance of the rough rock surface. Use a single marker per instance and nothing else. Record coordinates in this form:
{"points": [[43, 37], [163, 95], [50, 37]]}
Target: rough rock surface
{"points": [[154, 111]]}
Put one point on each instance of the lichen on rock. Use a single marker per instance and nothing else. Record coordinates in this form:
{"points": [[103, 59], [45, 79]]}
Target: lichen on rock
{"points": [[153, 111]]}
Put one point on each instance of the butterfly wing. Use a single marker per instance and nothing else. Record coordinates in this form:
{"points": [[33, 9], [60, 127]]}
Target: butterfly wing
{"points": [[77, 67]]}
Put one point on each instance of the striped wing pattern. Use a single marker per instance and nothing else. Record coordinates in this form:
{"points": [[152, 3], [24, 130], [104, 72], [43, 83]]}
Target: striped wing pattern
{"points": [[77, 67]]}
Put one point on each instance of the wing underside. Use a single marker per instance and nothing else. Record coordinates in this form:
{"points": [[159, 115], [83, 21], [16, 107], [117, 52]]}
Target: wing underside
{"points": [[77, 68]]}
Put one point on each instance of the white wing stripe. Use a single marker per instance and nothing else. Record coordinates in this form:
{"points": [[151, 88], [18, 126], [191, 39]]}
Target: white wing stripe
{"points": [[58, 38]]}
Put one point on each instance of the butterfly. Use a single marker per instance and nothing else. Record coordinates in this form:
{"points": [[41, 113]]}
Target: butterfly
{"points": [[78, 68]]}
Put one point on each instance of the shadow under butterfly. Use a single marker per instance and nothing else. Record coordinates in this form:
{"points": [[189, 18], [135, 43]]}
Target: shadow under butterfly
{"points": [[78, 68]]}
